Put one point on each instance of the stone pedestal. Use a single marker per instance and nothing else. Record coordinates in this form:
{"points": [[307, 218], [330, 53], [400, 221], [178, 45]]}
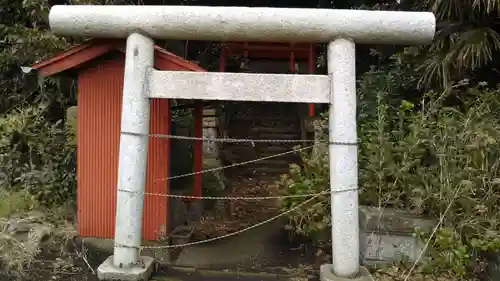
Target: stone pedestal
{"points": [[326, 274], [211, 153], [141, 272], [387, 235]]}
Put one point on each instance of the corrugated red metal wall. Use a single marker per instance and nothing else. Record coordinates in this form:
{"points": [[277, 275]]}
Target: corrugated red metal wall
{"points": [[99, 115]]}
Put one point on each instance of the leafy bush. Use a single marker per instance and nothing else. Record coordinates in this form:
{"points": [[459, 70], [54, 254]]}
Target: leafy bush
{"points": [[310, 178], [36, 157], [15, 202], [420, 157]]}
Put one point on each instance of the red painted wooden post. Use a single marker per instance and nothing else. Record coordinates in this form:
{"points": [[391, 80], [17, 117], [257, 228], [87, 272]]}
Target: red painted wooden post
{"points": [[245, 50], [198, 148], [311, 59], [222, 58]]}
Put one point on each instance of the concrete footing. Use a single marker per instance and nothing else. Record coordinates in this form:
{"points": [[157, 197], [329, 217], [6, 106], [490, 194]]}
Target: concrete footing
{"points": [[108, 271], [326, 274], [388, 235]]}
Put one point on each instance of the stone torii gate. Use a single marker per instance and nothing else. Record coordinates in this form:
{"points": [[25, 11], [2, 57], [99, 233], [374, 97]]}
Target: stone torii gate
{"points": [[340, 28]]}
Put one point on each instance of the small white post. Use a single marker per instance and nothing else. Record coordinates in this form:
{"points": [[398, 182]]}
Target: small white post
{"points": [[343, 158], [139, 57]]}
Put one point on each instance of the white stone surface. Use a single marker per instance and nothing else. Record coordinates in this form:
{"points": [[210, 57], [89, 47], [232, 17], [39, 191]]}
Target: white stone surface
{"points": [[243, 23], [139, 57], [108, 271], [389, 247], [211, 153], [326, 274], [239, 86], [343, 157], [387, 235]]}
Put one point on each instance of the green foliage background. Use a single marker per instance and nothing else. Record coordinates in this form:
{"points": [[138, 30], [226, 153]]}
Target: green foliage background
{"points": [[423, 157]]}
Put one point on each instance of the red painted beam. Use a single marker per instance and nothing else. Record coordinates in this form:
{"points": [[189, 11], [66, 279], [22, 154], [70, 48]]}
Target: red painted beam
{"points": [[245, 50], [269, 50], [294, 52], [292, 60], [222, 58]]}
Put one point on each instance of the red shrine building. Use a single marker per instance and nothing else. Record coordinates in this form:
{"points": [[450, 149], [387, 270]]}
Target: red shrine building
{"points": [[98, 67]]}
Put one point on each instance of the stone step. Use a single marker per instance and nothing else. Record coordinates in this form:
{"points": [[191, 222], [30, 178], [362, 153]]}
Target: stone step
{"points": [[234, 148], [271, 113], [283, 147], [262, 118], [284, 160], [277, 123], [273, 157], [273, 163], [260, 164], [275, 130], [288, 158], [271, 150], [268, 134], [258, 148], [268, 110], [275, 149], [270, 171], [279, 136], [268, 177]]}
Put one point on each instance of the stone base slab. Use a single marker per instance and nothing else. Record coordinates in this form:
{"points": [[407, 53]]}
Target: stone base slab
{"points": [[387, 235], [108, 271], [326, 274]]}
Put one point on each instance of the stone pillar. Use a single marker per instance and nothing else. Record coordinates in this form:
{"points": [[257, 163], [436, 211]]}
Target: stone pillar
{"points": [[343, 166], [125, 264]]}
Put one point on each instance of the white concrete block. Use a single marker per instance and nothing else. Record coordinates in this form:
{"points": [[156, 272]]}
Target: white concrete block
{"points": [[141, 272], [326, 274], [239, 86]]}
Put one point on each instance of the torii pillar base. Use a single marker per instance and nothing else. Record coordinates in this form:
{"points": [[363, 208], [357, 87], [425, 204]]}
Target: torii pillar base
{"points": [[326, 274], [141, 272]]}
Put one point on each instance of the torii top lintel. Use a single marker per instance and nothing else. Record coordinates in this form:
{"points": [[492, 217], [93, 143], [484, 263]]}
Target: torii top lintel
{"points": [[244, 23]]}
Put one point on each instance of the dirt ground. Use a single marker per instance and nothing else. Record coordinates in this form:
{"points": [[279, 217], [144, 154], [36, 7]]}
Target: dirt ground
{"points": [[67, 260], [228, 216]]}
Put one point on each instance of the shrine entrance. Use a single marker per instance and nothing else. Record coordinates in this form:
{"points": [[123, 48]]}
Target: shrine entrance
{"points": [[341, 29]]}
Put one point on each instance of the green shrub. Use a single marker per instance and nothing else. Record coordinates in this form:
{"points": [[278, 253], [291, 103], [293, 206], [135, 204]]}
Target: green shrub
{"points": [[15, 202], [36, 157], [420, 157], [312, 177]]}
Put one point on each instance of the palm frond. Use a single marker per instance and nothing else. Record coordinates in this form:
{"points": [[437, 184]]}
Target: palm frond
{"points": [[475, 48], [435, 69], [451, 9], [486, 6]]}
